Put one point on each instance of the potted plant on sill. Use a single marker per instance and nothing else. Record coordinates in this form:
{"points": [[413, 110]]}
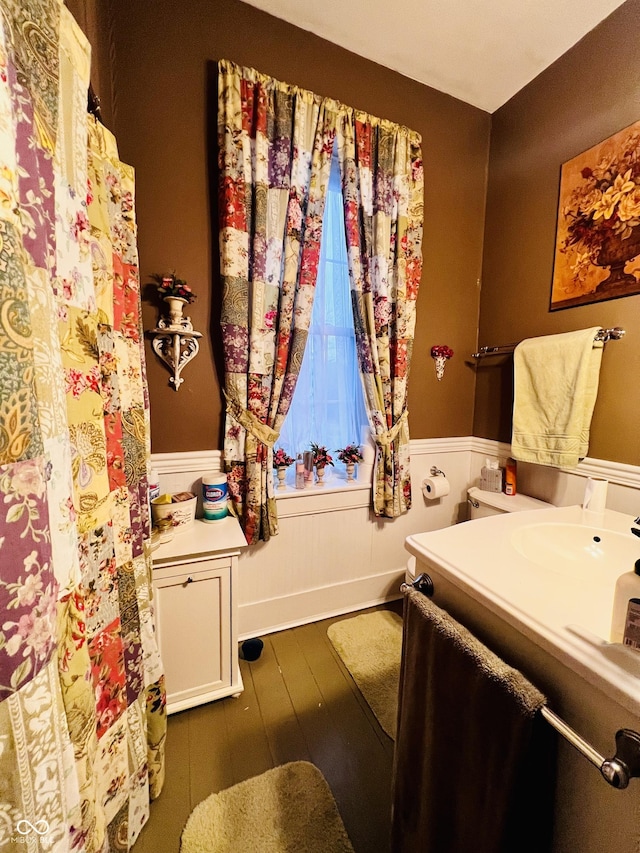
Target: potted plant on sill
{"points": [[350, 455], [281, 462], [321, 458]]}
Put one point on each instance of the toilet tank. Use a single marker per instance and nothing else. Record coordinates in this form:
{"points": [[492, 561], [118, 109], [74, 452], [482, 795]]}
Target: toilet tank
{"points": [[483, 504]]}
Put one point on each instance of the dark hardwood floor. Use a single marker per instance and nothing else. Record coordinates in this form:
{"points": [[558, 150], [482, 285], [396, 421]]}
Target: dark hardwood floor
{"points": [[299, 704]]}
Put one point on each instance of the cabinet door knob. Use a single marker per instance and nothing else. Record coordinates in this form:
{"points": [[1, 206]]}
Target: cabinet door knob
{"points": [[189, 579]]}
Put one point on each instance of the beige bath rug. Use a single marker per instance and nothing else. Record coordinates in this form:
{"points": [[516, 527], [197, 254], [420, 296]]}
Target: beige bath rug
{"points": [[370, 646], [289, 809]]}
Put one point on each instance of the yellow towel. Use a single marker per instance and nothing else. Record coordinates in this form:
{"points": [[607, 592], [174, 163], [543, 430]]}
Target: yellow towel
{"points": [[555, 388]]}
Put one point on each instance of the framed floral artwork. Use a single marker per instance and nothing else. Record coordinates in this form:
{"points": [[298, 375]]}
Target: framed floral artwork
{"points": [[597, 254]]}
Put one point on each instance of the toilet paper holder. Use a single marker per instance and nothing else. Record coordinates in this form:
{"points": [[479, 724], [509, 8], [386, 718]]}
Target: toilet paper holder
{"points": [[436, 486]]}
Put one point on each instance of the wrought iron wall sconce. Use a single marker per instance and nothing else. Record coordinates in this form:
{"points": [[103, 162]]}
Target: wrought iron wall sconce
{"points": [[175, 342]]}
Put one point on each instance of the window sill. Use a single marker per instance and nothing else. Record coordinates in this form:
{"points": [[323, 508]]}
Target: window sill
{"points": [[318, 499]]}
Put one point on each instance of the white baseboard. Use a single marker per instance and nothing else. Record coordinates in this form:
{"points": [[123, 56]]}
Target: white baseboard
{"points": [[289, 611]]}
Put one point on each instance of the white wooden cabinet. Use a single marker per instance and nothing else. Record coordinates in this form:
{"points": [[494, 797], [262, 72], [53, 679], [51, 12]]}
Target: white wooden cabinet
{"points": [[195, 584]]}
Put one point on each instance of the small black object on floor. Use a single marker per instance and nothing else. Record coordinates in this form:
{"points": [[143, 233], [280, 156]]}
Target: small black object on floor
{"points": [[251, 649]]}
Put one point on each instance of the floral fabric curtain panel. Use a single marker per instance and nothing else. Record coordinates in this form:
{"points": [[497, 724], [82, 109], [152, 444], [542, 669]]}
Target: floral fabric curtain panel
{"points": [[382, 183], [275, 144], [82, 718]]}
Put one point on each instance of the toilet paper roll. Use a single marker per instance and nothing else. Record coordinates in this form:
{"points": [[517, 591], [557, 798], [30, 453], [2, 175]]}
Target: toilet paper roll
{"points": [[595, 494], [435, 487]]}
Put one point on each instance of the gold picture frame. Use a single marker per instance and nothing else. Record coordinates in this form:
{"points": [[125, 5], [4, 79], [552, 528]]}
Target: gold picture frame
{"points": [[597, 252]]}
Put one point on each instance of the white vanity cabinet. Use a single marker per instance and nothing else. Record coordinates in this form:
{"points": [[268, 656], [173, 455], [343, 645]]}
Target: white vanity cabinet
{"points": [[195, 587]]}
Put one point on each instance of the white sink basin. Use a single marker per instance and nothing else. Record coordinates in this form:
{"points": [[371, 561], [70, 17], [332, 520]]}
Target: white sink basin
{"points": [[550, 574], [577, 551]]}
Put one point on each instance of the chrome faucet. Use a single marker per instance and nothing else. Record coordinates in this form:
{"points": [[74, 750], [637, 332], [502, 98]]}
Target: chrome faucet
{"points": [[636, 530]]}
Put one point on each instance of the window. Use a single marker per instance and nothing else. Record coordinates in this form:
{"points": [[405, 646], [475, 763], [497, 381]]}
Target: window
{"points": [[328, 404]]}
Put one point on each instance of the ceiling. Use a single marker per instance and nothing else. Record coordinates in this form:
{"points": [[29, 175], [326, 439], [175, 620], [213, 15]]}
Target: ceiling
{"points": [[480, 51]]}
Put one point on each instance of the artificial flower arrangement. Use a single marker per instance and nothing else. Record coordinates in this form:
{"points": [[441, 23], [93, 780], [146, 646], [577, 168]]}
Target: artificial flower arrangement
{"points": [[350, 454], [170, 285], [321, 456], [441, 353], [281, 459]]}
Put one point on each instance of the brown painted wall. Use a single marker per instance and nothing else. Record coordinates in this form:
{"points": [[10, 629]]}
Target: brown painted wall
{"points": [[588, 94], [164, 102]]}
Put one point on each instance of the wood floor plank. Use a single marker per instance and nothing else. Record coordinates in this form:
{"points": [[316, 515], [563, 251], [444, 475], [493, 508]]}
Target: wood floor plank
{"points": [[331, 745], [321, 627], [170, 811], [299, 703], [324, 742], [285, 737], [249, 753], [365, 801], [326, 664], [210, 762]]}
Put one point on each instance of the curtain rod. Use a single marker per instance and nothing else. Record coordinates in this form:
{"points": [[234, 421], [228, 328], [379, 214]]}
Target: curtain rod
{"points": [[603, 335]]}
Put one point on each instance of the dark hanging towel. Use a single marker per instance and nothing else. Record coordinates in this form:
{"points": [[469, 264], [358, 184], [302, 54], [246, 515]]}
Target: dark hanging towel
{"points": [[474, 760]]}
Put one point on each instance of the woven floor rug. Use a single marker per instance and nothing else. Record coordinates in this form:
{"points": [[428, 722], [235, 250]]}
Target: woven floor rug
{"points": [[289, 809], [370, 646]]}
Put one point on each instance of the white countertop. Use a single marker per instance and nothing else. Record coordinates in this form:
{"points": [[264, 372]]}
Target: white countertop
{"points": [[201, 539]]}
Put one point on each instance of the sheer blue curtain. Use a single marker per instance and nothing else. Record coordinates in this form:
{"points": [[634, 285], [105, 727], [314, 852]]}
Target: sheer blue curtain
{"points": [[328, 404]]}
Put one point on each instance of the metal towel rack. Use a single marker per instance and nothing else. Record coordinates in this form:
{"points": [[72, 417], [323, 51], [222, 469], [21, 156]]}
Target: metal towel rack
{"points": [[603, 336], [617, 771]]}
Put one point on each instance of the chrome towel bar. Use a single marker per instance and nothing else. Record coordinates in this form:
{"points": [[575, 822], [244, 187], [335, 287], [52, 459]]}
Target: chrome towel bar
{"points": [[602, 336], [422, 583], [617, 771]]}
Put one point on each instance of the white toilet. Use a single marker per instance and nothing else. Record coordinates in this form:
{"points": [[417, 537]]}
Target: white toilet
{"points": [[483, 504]]}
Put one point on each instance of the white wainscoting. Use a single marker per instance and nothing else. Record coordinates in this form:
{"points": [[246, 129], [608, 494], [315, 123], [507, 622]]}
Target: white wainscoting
{"points": [[332, 555]]}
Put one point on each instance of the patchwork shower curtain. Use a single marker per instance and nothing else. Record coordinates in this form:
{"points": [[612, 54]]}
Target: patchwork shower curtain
{"points": [[82, 718]]}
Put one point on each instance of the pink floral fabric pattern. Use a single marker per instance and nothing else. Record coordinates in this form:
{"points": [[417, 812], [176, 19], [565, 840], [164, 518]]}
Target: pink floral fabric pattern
{"points": [[383, 188], [275, 147], [28, 588], [275, 144], [82, 699]]}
